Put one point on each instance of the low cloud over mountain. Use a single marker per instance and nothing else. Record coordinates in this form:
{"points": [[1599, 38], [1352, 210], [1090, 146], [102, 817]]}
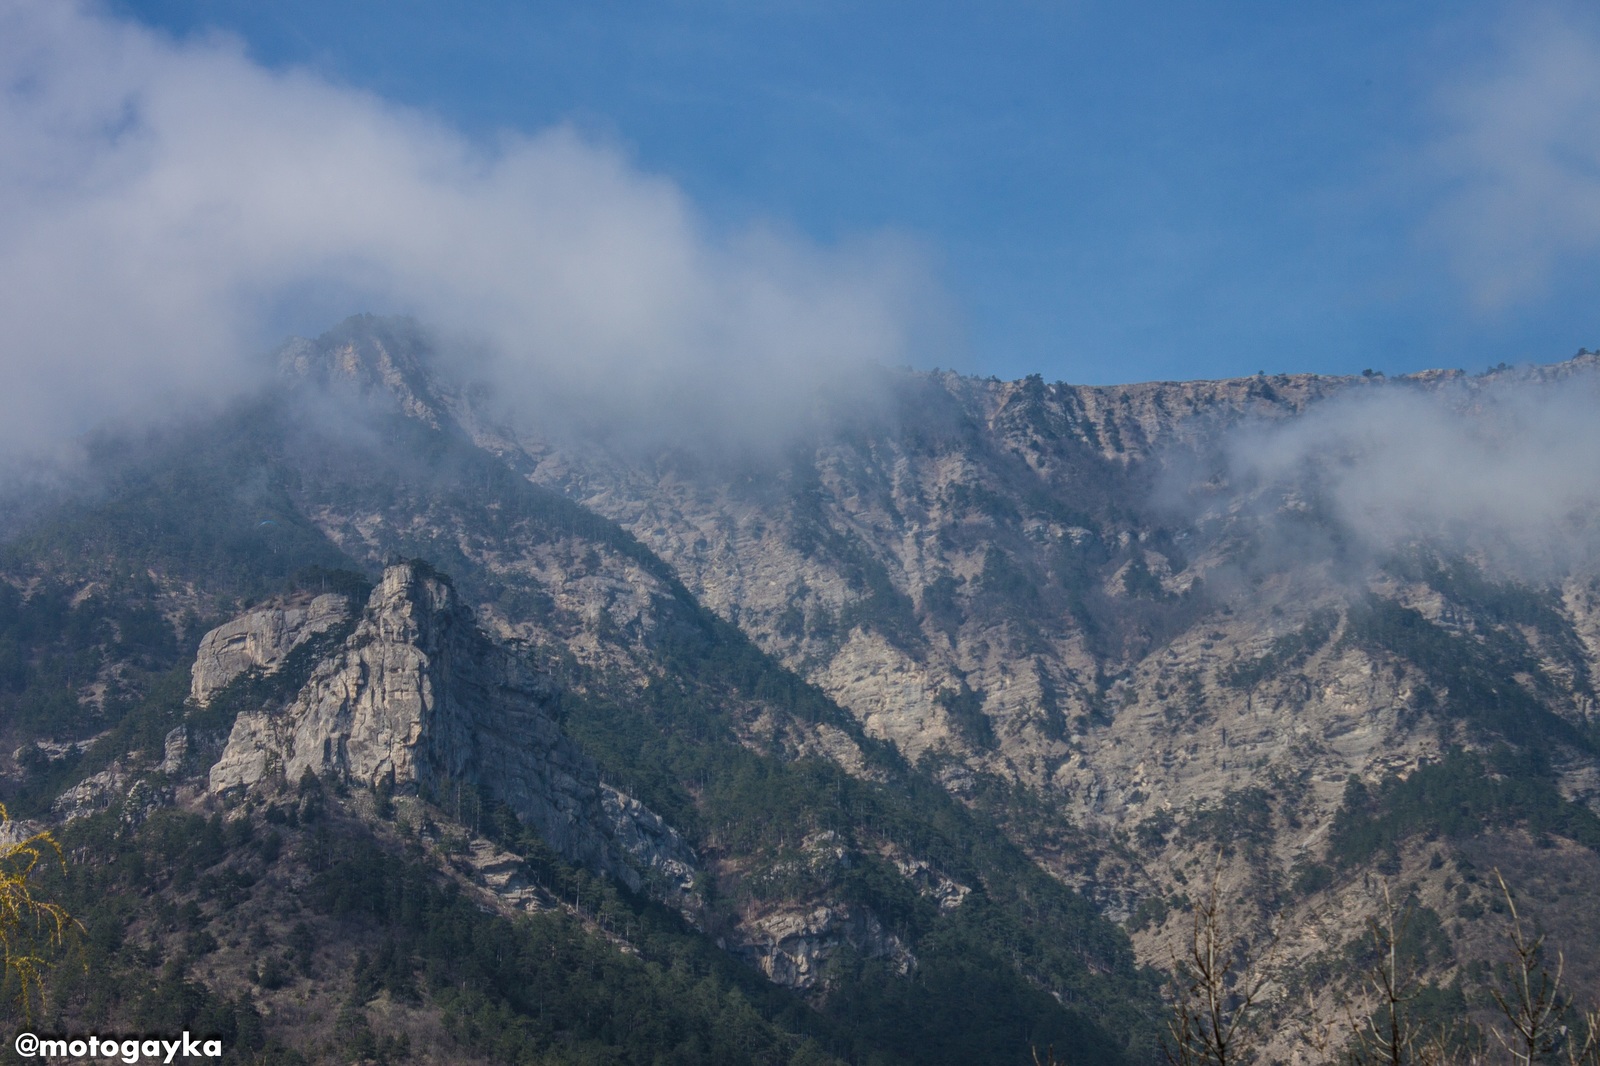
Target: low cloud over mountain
{"points": [[1501, 465], [168, 208]]}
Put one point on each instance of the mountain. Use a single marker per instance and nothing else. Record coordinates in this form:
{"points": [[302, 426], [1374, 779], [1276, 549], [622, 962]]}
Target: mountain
{"points": [[324, 787], [915, 735], [1074, 607]]}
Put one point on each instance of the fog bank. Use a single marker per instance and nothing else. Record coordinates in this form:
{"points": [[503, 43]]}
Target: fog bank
{"points": [[1505, 467], [169, 209]]}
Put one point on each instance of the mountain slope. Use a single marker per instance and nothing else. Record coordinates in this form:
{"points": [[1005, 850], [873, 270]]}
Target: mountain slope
{"points": [[1081, 593], [834, 722], [812, 859]]}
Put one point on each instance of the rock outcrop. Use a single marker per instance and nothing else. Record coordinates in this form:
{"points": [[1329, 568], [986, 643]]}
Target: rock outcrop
{"points": [[791, 946], [418, 699], [261, 639]]}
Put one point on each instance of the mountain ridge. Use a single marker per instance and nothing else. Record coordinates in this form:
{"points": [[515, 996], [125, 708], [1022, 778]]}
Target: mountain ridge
{"points": [[674, 703], [896, 682]]}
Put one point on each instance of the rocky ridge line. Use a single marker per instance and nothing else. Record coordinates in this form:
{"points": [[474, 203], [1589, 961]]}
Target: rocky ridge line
{"points": [[417, 699]]}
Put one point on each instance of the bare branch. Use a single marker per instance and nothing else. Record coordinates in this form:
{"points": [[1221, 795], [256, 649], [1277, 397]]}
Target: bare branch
{"points": [[1389, 1035], [1212, 1021], [1532, 1004], [1584, 1052]]}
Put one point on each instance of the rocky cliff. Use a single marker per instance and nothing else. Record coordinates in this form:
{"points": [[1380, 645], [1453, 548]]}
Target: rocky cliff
{"points": [[1058, 637], [418, 699], [1066, 589], [261, 640], [1070, 590]]}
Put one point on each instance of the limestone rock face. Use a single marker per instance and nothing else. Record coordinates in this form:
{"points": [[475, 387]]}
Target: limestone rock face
{"points": [[1068, 590], [17, 830], [418, 698], [93, 794], [118, 784], [174, 750], [260, 640], [790, 946]]}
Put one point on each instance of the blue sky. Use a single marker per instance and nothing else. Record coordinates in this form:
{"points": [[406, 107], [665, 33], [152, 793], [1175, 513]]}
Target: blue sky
{"points": [[1105, 192]]}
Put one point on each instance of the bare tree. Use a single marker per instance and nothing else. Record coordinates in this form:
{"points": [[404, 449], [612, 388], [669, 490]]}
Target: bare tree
{"points": [[1320, 1033], [1530, 998], [1389, 1035], [1218, 984]]}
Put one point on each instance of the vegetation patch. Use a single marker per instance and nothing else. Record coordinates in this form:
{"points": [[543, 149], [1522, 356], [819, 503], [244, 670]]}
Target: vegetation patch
{"points": [[1458, 796]]}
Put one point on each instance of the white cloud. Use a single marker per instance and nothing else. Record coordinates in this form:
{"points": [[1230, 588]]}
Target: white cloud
{"points": [[1520, 159], [162, 202], [1497, 467]]}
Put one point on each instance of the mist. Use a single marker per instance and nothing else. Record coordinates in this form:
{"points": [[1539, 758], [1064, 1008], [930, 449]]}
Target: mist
{"points": [[171, 210], [1501, 468]]}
